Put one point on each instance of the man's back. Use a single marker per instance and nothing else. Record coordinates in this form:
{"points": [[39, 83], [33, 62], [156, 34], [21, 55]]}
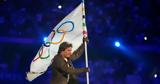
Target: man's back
{"points": [[58, 76]]}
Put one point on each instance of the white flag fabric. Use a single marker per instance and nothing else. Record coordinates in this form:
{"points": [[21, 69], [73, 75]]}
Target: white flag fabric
{"points": [[70, 29]]}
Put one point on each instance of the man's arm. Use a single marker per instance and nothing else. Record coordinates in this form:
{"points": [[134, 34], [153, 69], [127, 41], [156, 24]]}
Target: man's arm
{"points": [[63, 66], [77, 53]]}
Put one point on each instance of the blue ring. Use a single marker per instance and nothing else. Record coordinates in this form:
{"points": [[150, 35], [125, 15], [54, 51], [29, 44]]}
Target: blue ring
{"points": [[66, 23]]}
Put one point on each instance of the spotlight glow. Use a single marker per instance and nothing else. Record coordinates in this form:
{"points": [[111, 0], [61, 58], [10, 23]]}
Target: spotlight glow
{"points": [[117, 44], [45, 39], [145, 38], [59, 6], [155, 75]]}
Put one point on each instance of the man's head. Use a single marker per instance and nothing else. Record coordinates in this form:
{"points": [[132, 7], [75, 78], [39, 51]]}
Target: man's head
{"points": [[65, 49]]}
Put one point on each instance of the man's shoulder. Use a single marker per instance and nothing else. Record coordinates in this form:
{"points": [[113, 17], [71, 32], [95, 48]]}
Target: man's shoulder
{"points": [[57, 58]]}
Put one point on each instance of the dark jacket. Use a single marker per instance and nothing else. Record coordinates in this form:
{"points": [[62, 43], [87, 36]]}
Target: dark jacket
{"points": [[61, 70]]}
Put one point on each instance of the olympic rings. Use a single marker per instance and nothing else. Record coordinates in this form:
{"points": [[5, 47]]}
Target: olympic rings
{"points": [[47, 44], [40, 55], [40, 52], [66, 23], [64, 33]]}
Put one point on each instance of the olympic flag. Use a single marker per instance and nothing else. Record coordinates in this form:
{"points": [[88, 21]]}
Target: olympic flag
{"points": [[70, 29]]}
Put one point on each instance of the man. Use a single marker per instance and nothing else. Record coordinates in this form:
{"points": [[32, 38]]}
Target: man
{"points": [[63, 71]]}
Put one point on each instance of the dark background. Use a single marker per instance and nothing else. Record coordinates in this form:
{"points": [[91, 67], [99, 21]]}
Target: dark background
{"points": [[24, 24]]}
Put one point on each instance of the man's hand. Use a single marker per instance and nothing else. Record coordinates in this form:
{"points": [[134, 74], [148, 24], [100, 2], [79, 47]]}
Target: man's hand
{"points": [[85, 39], [87, 69]]}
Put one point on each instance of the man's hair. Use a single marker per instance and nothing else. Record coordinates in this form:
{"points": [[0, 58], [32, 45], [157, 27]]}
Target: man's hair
{"points": [[64, 46]]}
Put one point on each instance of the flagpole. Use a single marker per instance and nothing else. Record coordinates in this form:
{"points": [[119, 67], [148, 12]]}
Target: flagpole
{"points": [[86, 59], [85, 34]]}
